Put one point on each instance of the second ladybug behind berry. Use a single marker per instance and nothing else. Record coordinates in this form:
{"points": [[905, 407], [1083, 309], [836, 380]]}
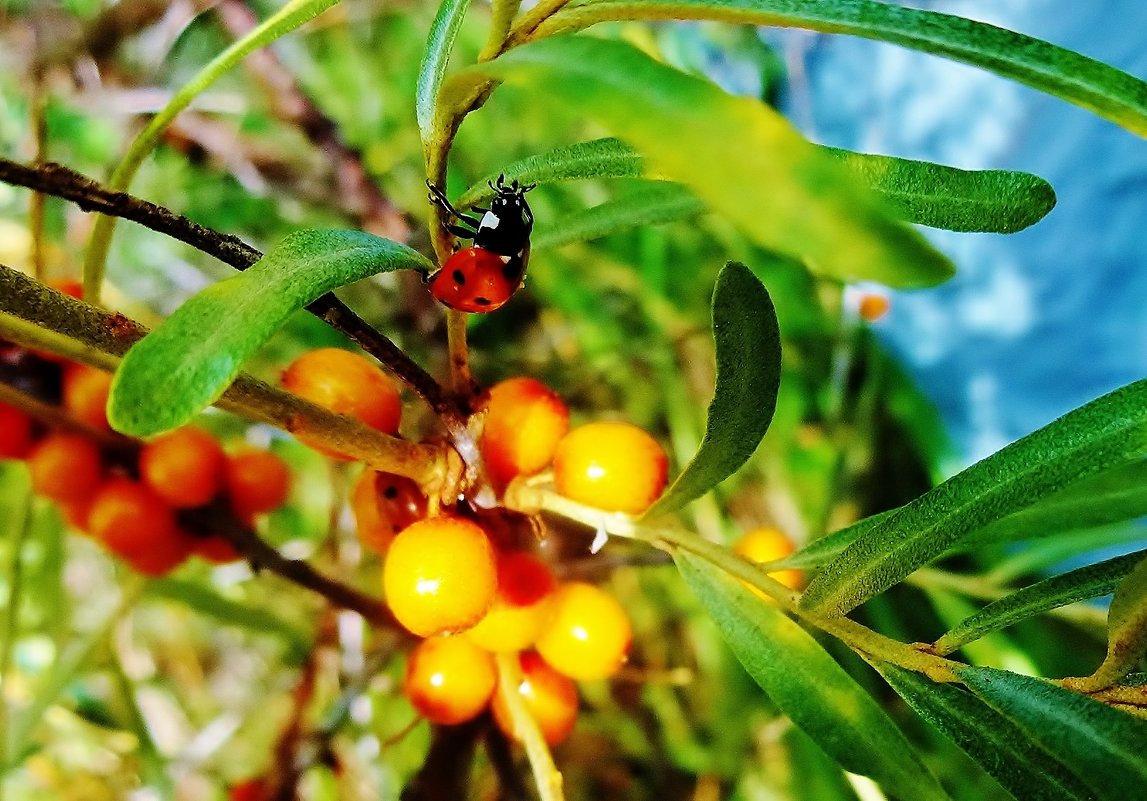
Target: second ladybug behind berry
{"points": [[482, 278]]}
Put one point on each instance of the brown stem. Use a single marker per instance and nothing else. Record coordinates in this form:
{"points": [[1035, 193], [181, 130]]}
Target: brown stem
{"points": [[446, 771], [57, 419], [59, 181]]}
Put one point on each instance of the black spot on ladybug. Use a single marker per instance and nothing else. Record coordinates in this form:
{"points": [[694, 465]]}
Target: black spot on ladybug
{"points": [[391, 492], [459, 276], [482, 301]]}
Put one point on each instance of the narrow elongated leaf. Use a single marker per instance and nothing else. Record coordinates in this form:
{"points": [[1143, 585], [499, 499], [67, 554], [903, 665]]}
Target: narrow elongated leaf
{"points": [[1092, 581], [597, 158], [809, 686], [993, 742], [741, 158], [185, 364], [431, 72], [1101, 746], [828, 547], [1106, 432], [748, 345], [656, 203], [999, 201], [1126, 628], [1095, 86]]}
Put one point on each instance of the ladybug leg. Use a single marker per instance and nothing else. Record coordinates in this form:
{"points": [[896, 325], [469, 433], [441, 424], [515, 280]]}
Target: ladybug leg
{"points": [[458, 230], [439, 199]]}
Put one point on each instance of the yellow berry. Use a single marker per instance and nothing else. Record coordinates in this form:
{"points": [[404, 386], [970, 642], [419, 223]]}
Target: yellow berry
{"points": [[521, 609], [588, 634], [550, 698], [449, 680], [525, 420], [768, 544], [611, 465]]}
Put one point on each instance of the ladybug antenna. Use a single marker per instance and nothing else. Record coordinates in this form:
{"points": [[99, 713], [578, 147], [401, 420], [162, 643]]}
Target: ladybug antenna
{"points": [[527, 187]]}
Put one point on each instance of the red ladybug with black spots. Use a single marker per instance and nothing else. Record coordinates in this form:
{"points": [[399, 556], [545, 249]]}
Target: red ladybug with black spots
{"points": [[482, 278]]}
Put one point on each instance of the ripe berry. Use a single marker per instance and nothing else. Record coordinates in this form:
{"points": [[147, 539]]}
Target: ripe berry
{"points": [[766, 545], [66, 468], [449, 680], [257, 482], [610, 465], [215, 549], [346, 384], [184, 467], [137, 525], [873, 306], [439, 576], [86, 394], [15, 433], [525, 420], [384, 504], [550, 698], [521, 609], [588, 634]]}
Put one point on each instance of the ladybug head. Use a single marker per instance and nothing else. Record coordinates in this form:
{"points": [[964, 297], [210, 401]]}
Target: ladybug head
{"points": [[511, 196]]}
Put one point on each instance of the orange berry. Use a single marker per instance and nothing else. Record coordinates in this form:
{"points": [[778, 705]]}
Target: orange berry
{"points": [[384, 504], [588, 634], [137, 525], [449, 680], [439, 576], [345, 383], [254, 789], [66, 467], [525, 420], [873, 306], [184, 467], [766, 545], [257, 482], [521, 607], [86, 394], [215, 549], [610, 465], [15, 432], [550, 697]]}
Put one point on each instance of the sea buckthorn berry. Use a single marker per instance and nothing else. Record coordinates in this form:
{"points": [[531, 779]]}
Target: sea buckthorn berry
{"points": [[767, 544], [137, 525], [214, 549], [384, 504], [550, 697], [66, 467], [611, 465], [588, 633], [184, 467], [873, 306], [86, 394], [345, 383], [525, 420], [521, 607], [257, 482], [439, 576], [449, 680], [15, 433]]}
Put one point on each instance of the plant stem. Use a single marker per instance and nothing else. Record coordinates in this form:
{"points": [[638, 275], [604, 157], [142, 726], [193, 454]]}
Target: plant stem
{"points": [[546, 775], [59, 181], [461, 381], [502, 13], [289, 17], [15, 574]]}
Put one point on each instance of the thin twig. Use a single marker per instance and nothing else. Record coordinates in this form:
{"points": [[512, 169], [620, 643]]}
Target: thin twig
{"points": [[59, 181]]}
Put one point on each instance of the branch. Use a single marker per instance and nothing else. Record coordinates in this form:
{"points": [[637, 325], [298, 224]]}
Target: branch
{"points": [[59, 181]]}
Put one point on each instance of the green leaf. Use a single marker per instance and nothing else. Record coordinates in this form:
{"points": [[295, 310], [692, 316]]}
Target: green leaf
{"points": [[655, 203], [232, 613], [184, 365], [1106, 432], [993, 742], [1095, 86], [997, 201], [431, 72], [597, 158], [742, 159], [809, 686], [1126, 628], [828, 547], [748, 345], [1101, 746], [1091, 581]]}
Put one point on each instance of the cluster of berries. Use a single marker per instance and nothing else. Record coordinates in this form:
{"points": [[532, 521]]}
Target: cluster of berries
{"points": [[129, 498], [464, 579]]}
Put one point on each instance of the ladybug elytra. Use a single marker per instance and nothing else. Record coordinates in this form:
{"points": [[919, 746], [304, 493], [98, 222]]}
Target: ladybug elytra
{"points": [[482, 278]]}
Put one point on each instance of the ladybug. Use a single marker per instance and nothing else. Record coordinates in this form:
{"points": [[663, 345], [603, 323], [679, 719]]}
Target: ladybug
{"points": [[482, 278]]}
